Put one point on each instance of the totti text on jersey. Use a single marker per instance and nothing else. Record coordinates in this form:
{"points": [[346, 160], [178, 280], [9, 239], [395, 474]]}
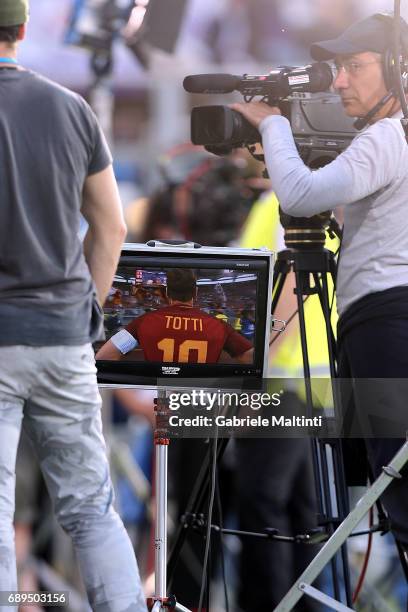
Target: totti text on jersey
{"points": [[184, 323]]}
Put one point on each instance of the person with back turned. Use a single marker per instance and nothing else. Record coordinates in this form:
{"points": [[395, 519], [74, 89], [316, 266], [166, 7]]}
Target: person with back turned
{"points": [[370, 179], [54, 164]]}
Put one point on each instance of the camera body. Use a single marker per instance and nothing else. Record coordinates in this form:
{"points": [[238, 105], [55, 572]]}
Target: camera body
{"points": [[221, 129], [320, 127], [319, 124]]}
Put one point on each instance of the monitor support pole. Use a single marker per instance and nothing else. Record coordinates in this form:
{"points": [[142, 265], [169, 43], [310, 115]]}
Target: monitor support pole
{"points": [[160, 600]]}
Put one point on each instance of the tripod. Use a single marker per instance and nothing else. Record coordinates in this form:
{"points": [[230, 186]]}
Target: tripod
{"points": [[318, 264]]}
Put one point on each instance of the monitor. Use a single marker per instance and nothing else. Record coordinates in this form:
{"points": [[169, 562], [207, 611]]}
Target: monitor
{"points": [[182, 311]]}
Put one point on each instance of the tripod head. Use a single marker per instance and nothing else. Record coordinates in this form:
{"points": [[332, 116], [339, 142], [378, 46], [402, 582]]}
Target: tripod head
{"points": [[309, 234]]}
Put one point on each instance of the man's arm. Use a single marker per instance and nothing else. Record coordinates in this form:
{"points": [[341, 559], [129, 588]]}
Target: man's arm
{"points": [[247, 357], [237, 346], [366, 166], [109, 352], [102, 209], [120, 344]]}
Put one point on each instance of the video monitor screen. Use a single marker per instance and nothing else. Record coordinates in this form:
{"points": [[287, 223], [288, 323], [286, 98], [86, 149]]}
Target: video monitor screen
{"points": [[185, 316]]}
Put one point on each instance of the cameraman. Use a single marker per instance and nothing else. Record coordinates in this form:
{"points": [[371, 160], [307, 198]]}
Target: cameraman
{"points": [[370, 179], [54, 163]]}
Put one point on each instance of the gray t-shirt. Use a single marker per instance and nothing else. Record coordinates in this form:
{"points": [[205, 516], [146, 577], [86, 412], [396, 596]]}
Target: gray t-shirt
{"points": [[50, 141], [370, 179]]}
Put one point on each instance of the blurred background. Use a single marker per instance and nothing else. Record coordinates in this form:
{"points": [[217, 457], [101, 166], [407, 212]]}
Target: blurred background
{"points": [[170, 189], [151, 110]]}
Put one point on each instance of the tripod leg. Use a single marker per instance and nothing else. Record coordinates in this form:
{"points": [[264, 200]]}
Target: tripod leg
{"points": [[194, 505], [343, 531], [319, 459], [329, 510], [321, 285], [341, 495], [303, 340], [343, 509], [278, 283], [323, 293], [181, 608], [403, 554], [325, 599]]}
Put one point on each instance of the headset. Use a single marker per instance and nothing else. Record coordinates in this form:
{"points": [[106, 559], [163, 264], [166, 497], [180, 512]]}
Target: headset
{"points": [[395, 73], [388, 58]]}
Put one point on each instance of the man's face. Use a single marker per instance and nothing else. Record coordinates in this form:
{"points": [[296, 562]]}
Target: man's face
{"points": [[359, 82]]}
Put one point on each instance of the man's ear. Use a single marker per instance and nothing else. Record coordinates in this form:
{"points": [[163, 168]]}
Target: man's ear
{"points": [[22, 32]]}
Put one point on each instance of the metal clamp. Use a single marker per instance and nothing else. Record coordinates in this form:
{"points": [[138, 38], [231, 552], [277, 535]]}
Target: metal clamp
{"points": [[390, 471], [281, 329]]}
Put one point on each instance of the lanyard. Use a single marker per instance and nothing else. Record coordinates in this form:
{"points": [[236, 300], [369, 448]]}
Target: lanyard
{"points": [[8, 60]]}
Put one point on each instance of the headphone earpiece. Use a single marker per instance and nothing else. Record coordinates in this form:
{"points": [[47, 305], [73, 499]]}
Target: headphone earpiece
{"points": [[388, 64], [388, 68]]}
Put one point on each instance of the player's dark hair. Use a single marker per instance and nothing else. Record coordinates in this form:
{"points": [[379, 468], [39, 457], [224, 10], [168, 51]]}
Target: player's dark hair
{"points": [[9, 34], [181, 284]]}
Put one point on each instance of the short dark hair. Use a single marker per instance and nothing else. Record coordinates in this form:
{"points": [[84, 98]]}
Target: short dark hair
{"points": [[9, 34], [181, 284]]}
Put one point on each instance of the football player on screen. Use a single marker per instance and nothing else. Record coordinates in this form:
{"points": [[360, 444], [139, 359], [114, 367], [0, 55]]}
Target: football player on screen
{"points": [[179, 332]]}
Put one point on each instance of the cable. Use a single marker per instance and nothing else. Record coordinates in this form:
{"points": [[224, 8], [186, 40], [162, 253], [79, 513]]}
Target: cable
{"points": [[220, 518], [334, 284], [366, 559], [209, 521], [396, 52], [292, 316]]}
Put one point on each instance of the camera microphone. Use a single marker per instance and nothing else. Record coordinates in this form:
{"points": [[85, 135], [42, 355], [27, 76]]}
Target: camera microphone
{"points": [[211, 83], [278, 84]]}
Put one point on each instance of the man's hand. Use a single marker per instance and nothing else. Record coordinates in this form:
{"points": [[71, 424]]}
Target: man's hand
{"points": [[255, 112]]}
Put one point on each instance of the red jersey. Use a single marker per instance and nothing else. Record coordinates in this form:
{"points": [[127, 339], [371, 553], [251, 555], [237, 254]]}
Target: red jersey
{"points": [[184, 334]]}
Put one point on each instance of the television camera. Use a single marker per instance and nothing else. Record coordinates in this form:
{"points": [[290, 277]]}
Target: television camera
{"points": [[294, 90], [320, 127]]}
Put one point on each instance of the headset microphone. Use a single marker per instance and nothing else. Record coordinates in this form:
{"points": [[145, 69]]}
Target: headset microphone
{"points": [[361, 123]]}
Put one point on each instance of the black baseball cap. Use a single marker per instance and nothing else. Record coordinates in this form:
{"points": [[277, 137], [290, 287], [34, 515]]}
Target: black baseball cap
{"points": [[371, 34]]}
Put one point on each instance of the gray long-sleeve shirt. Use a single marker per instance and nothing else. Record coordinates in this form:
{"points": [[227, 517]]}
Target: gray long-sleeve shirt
{"points": [[370, 179]]}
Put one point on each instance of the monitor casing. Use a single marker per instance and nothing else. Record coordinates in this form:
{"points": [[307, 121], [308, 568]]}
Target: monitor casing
{"points": [[155, 254]]}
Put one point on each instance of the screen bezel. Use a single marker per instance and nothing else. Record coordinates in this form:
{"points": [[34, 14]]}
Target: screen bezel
{"points": [[146, 374]]}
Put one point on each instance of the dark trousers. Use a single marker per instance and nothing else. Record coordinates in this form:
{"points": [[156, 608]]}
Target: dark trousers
{"points": [[378, 349], [275, 488]]}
